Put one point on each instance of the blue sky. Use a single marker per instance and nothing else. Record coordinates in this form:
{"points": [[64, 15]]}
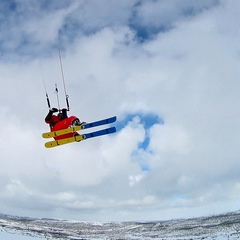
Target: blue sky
{"points": [[167, 69]]}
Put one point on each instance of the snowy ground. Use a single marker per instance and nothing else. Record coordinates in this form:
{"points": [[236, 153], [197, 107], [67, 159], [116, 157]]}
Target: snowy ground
{"points": [[220, 227]]}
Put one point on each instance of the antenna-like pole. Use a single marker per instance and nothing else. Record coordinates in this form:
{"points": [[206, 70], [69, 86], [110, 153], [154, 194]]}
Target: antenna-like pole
{"points": [[56, 92], [63, 80], [48, 101]]}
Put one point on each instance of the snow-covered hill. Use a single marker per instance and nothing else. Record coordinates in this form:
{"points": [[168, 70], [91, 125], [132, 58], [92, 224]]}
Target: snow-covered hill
{"points": [[225, 226]]}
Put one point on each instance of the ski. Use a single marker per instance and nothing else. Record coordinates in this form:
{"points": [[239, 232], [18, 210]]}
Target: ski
{"points": [[81, 127], [79, 138]]}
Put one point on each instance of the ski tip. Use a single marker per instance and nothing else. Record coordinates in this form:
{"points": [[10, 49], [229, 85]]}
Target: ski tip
{"points": [[112, 119], [111, 130]]}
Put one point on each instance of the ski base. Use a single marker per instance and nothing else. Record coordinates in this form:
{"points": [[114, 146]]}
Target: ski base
{"points": [[79, 138]]}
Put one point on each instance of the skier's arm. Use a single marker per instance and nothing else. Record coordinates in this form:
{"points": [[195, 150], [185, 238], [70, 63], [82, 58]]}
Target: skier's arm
{"points": [[49, 116]]}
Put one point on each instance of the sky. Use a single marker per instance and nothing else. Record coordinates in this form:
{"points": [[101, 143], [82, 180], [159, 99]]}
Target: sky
{"points": [[169, 70]]}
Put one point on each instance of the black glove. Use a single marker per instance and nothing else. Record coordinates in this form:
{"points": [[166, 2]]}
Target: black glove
{"points": [[54, 110], [64, 112]]}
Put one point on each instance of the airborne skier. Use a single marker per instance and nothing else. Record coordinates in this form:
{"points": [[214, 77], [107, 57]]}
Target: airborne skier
{"points": [[67, 135], [64, 129]]}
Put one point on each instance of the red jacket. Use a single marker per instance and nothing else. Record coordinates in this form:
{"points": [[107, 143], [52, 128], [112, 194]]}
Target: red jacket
{"points": [[52, 120]]}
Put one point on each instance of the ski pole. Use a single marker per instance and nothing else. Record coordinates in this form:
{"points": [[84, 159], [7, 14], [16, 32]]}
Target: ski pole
{"points": [[48, 101], [56, 92], [60, 58]]}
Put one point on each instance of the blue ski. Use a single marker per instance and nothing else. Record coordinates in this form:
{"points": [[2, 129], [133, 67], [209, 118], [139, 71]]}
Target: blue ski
{"points": [[98, 123]]}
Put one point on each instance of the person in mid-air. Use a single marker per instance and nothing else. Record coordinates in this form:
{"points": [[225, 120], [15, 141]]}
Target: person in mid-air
{"points": [[52, 119]]}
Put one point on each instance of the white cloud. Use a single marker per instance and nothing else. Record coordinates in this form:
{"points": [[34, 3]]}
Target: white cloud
{"points": [[165, 138], [48, 26]]}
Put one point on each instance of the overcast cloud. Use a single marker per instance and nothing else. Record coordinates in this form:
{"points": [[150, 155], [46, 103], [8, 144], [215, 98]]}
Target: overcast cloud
{"points": [[169, 70]]}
